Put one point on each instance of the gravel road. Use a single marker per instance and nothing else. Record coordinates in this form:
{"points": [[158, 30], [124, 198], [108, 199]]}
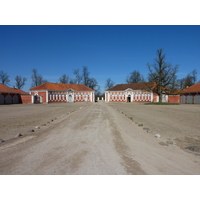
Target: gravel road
{"points": [[96, 139]]}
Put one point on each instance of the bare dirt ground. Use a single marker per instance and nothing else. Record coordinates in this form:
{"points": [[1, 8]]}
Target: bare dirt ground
{"points": [[19, 118], [96, 139], [177, 123]]}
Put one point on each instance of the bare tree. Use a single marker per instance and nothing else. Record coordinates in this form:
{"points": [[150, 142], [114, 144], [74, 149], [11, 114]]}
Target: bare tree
{"points": [[181, 83], [162, 73], [37, 79], [93, 84], [20, 82], [78, 76], [72, 81], [174, 85], [135, 77], [189, 80], [64, 79], [4, 78], [194, 75], [85, 76], [109, 83], [85, 79]]}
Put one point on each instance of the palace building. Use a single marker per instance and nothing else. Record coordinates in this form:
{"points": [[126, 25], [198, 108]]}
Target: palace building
{"points": [[60, 92], [137, 92]]}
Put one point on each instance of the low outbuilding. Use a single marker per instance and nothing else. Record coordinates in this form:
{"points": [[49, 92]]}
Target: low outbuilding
{"points": [[13, 95], [191, 95]]}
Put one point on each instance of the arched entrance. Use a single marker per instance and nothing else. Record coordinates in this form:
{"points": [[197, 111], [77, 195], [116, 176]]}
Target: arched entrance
{"points": [[8, 99], [1, 99], [15, 99], [36, 99], [129, 98], [70, 99]]}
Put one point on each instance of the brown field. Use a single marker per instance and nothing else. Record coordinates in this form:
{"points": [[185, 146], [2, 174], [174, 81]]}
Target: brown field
{"points": [[98, 139], [19, 118], [178, 123]]}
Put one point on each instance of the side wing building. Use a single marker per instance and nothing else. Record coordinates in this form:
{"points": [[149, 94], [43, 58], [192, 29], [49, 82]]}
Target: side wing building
{"points": [[137, 92], [60, 92], [13, 95]]}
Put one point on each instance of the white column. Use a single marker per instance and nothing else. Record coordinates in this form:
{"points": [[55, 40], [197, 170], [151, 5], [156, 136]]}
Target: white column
{"points": [[32, 98], [47, 96], [41, 99], [151, 96]]}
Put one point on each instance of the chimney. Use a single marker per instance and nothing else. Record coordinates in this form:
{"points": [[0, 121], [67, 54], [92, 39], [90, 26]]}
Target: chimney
{"points": [[13, 87]]}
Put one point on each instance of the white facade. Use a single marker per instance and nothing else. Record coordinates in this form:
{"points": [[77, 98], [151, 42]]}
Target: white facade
{"points": [[129, 95], [69, 96]]}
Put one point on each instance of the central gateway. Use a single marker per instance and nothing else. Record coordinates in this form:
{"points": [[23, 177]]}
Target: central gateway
{"points": [[70, 99]]}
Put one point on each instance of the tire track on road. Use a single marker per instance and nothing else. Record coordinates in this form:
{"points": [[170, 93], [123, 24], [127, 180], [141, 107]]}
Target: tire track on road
{"points": [[131, 165]]}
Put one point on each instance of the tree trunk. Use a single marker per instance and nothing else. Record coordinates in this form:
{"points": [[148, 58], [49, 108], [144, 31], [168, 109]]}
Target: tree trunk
{"points": [[160, 97], [160, 93]]}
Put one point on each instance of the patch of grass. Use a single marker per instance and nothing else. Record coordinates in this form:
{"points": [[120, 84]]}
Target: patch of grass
{"points": [[161, 103]]}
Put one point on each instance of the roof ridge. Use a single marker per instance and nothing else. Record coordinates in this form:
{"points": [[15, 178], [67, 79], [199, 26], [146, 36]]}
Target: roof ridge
{"points": [[135, 86], [62, 86], [7, 89], [192, 88]]}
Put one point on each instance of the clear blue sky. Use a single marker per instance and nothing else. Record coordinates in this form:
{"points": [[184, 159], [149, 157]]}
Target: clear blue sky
{"points": [[108, 51]]}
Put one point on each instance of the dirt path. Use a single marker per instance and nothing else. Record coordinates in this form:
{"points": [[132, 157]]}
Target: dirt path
{"points": [[96, 139]]}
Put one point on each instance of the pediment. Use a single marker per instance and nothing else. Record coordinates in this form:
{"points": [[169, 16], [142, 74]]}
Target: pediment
{"points": [[128, 89], [70, 90]]}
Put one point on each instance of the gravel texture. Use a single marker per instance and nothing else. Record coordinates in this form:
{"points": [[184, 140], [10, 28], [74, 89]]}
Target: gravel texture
{"points": [[178, 123], [96, 139]]}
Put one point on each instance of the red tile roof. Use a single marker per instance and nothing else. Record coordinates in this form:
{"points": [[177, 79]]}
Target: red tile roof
{"points": [[6, 89], [62, 87], [20, 91], [134, 86], [193, 88], [177, 92]]}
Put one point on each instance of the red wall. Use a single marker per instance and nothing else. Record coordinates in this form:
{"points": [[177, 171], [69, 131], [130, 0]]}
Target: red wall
{"points": [[155, 97], [43, 94], [26, 99], [174, 98]]}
